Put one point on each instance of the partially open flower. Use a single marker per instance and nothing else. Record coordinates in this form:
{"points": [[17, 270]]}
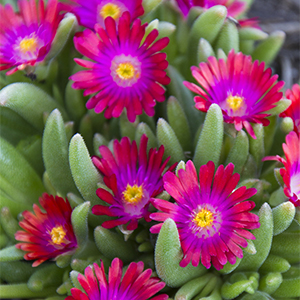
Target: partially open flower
{"points": [[133, 176], [136, 284], [127, 72], [95, 11], [291, 171], [212, 219], [26, 37], [245, 91], [293, 111], [47, 235]]}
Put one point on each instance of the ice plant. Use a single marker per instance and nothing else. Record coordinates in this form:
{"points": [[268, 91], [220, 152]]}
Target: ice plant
{"points": [[213, 218], [243, 90], [291, 171], [48, 234], [26, 37], [293, 111], [133, 176], [126, 73], [136, 284], [95, 11], [234, 7]]}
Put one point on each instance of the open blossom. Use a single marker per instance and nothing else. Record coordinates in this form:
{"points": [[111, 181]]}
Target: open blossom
{"points": [[136, 284], [26, 37], [133, 176], [212, 219], [293, 111], [245, 91], [127, 73], [47, 235], [291, 171], [234, 7], [95, 11]]}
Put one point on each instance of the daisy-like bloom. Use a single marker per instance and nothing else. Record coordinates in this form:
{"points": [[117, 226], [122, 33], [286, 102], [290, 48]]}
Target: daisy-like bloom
{"points": [[291, 171], [212, 219], [127, 73], [243, 90], [26, 37], [95, 11], [47, 235], [133, 176], [136, 284], [234, 7], [293, 111]]}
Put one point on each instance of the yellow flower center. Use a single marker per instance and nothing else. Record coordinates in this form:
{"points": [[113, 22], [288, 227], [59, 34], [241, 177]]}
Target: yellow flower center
{"points": [[133, 194], [204, 218], [234, 102], [28, 45], [110, 10], [126, 71], [58, 235]]}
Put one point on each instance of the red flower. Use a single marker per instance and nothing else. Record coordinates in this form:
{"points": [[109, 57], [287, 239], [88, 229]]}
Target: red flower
{"points": [[293, 111], [244, 90], [133, 176], [47, 235], [291, 171], [136, 284], [211, 216]]}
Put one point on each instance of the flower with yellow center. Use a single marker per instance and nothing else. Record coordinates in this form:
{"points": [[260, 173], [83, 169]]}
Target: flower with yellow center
{"points": [[28, 45], [126, 71], [234, 102], [133, 194], [110, 10], [58, 235], [204, 218]]}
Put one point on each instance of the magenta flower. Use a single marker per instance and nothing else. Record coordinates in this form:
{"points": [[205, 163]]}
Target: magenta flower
{"points": [[291, 171], [212, 219], [47, 235], [26, 37], [136, 284], [243, 90], [127, 73], [95, 11], [234, 7], [133, 176], [293, 111]]}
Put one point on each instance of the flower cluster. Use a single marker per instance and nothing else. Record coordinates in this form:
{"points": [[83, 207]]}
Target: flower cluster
{"points": [[165, 186]]}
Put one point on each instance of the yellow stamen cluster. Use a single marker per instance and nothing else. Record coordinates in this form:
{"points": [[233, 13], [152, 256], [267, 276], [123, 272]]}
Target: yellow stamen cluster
{"points": [[110, 10], [204, 218], [125, 70], [235, 102], [28, 45], [58, 235], [133, 194]]}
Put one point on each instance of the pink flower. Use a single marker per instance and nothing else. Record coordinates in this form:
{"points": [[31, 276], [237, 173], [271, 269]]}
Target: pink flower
{"points": [[133, 176], [291, 171], [47, 235], [95, 11], [293, 111], [136, 284], [127, 73], [245, 91], [211, 216], [26, 37]]}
